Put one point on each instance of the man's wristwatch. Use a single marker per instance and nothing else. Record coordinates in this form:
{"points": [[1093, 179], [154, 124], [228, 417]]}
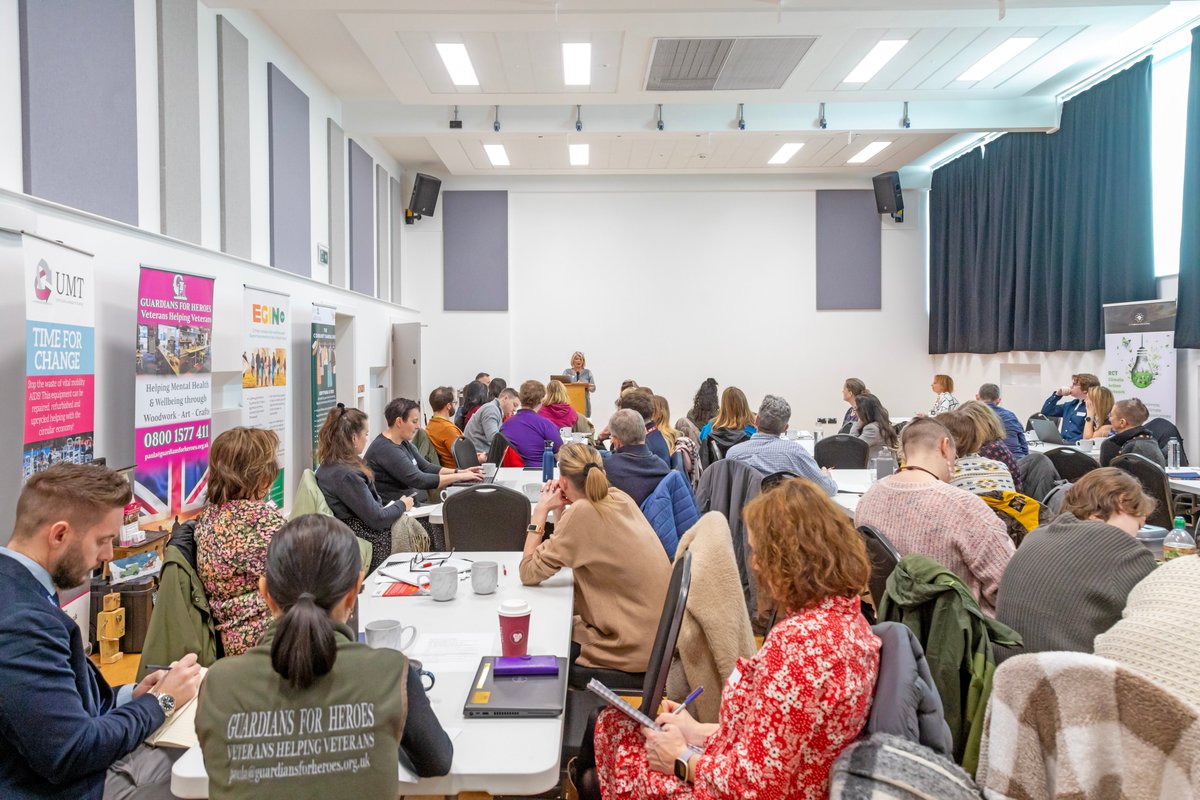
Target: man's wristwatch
{"points": [[166, 702]]}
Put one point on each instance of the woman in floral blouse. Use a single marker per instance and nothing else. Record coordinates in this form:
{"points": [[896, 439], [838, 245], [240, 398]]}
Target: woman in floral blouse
{"points": [[790, 710], [233, 532]]}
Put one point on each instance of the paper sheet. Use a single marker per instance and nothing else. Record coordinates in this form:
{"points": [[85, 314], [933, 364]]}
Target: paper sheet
{"points": [[452, 652]]}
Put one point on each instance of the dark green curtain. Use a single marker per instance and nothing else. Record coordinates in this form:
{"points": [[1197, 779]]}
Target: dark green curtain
{"points": [[1031, 235], [1187, 314]]}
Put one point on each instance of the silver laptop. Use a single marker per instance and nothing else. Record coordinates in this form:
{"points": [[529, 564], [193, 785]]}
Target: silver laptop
{"points": [[489, 472], [1046, 431], [515, 695]]}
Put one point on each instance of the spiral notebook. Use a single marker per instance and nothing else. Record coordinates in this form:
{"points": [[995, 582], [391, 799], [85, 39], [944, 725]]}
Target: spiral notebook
{"points": [[616, 702]]}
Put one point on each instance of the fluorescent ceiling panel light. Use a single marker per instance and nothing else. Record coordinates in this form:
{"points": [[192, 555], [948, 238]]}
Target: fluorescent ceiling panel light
{"points": [[880, 54], [784, 154], [577, 64], [1006, 52], [867, 153], [496, 154], [578, 155], [458, 63]]}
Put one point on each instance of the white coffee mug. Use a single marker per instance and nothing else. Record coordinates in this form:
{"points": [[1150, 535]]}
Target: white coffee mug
{"points": [[442, 582], [389, 634]]}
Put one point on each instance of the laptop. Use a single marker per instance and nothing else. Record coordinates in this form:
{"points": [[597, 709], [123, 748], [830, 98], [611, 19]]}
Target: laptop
{"points": [[490, 471], [515, 695], [1046, 431]]}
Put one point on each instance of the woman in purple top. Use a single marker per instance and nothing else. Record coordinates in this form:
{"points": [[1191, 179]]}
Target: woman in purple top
{"points": [[526, 430]]}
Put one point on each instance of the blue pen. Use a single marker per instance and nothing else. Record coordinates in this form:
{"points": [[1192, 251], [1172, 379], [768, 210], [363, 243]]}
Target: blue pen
{"points": [[689, 699]]}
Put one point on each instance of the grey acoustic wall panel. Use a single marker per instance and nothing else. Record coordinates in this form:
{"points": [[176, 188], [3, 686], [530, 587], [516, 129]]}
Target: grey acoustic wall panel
{"points": [[79, 105], [383, 236], [362, 220], [397, 225], [849, 236], [179, 119], [233, 111], [291, 191], [474, 251], [337, 203]]}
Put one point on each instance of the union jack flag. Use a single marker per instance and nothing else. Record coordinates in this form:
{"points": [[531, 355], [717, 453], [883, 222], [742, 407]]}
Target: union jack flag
{"points": [[174, 492]]}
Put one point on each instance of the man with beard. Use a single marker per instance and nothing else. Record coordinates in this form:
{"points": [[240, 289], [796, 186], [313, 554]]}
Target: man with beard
{"points": [[64, 732]]}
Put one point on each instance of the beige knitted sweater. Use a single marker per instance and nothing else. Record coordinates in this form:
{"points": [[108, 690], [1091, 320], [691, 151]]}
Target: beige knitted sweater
{"points": [[950, 525]]}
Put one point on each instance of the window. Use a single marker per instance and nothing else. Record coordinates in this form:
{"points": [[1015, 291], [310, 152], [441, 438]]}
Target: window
{"points": [[1169, 129]]}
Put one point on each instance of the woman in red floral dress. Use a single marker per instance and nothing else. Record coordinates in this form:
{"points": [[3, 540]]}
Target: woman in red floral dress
{"points": [[787, 712]]}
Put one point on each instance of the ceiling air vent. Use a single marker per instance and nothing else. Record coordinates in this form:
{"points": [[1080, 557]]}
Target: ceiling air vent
{"points": [[714, 64]]}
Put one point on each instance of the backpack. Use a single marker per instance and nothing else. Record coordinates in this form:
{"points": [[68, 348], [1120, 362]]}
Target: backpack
{"points": [[886, 767], [1019, 513]]}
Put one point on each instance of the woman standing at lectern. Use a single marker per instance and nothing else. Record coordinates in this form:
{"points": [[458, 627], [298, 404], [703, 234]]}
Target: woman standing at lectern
{"points": [[579, 373]]}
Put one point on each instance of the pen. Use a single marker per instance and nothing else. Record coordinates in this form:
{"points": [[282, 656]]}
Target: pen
{"points": [[689, 699], [157, 667]]}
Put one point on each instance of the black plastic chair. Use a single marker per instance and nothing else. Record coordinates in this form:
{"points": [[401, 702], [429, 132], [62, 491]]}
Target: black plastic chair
{"points": [[842, 451], [1164, 431], [776, 478], [486, 516], [500, 444], [884, 558], [464, 453], [1071, 463], [583, 706], [714, 448], [1154, 481]]}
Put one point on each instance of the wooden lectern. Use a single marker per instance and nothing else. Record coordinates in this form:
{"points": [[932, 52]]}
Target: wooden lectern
{"points": [[577, 392]]}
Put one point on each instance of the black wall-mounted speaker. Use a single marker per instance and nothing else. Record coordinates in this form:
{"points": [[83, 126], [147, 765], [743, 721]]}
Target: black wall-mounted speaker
{"points": [[424, 195], [888, 199]]}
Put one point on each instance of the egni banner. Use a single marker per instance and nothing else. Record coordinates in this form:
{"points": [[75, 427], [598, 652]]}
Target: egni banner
{"points": [[266, 320], [1139, 354]]}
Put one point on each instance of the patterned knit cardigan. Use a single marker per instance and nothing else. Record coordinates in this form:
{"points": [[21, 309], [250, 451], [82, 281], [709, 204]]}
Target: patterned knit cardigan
{"points": [[1073, 726]]}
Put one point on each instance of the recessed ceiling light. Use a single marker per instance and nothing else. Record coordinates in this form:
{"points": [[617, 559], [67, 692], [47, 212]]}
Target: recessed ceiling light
{"points": [[496, 154], [867, 153], [784, 154], [1006, 52], [577, 64], [458, 63], [578, 154], [880, 54]]}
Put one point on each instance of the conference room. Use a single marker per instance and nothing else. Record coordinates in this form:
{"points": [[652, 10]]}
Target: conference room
{"points": [[595, 326]]}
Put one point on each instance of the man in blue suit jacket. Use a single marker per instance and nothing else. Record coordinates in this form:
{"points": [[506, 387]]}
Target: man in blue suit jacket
{"points": [[61, 726], [632, 468]]}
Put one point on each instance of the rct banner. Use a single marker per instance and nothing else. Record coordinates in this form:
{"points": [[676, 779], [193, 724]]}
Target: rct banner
{"points": [[265, 371], [60, 372], [173, 401], [1139, 354], [324, 368]]}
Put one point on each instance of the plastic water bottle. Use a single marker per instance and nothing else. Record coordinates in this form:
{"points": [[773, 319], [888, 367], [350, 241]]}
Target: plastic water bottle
{"points": [[884, 464], [1178, 542], [548, 461], [1173, 458]]}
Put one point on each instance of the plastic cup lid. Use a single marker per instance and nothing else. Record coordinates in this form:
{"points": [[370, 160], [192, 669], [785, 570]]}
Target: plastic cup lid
{"points": [[514, 608]]}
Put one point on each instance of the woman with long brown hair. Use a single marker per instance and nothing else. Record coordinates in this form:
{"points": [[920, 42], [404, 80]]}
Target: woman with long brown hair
{"points": [[733, 414], [798, 702]]}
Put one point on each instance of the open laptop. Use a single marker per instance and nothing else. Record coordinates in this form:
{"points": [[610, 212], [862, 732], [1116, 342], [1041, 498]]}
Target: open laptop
{"points": [[515, 695], [490, 471], [1046, 431]]}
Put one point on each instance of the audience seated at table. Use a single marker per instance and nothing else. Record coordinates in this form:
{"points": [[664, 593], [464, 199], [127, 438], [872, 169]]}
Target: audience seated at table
{"points": [[1130, 435], [620, 570], [921, 513], [1074, 410], [873, 426], [441, 428], [971, 471], [64, 732], [1098, 403], [632, 468], [311, 685], [734, 420], [1014, 431], [486, 421], [641, 400], [991, 432], [400, 471], [233, 531], [526, 430], [943, 388], [349, 484], [798, 702], [474, 395], [768, 454], [1157, 635], [705, 404], [1069, 579], [852, 389], [556, 406]]}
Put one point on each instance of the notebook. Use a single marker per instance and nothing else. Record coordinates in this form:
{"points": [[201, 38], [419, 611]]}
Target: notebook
{"points": [[618, 703], [180, 729], [515, 695]]}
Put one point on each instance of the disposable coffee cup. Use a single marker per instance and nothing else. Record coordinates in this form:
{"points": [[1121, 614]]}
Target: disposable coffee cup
{"points": [[484, 575], [514, 628]]}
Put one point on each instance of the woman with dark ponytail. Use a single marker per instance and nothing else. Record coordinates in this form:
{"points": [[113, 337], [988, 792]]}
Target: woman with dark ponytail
{"points": [[621, 571], [266, 719], [349, 484]]}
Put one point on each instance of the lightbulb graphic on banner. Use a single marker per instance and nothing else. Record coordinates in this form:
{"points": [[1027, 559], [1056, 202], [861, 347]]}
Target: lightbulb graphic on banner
{"points": [[1141, 374]]}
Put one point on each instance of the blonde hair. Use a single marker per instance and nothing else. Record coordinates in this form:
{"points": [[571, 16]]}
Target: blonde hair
{"points": [[662, 418], [987, 422], [1102, 400], [734, 411], [582, 360], [573, 460], [946, 381], [556, 393]]}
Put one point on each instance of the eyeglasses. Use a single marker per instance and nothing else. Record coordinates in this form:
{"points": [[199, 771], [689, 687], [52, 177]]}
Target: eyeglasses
{"points": [[423, 562]]}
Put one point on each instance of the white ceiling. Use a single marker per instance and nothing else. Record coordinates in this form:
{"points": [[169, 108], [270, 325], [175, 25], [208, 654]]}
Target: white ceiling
{"points": [[379, 57]]}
